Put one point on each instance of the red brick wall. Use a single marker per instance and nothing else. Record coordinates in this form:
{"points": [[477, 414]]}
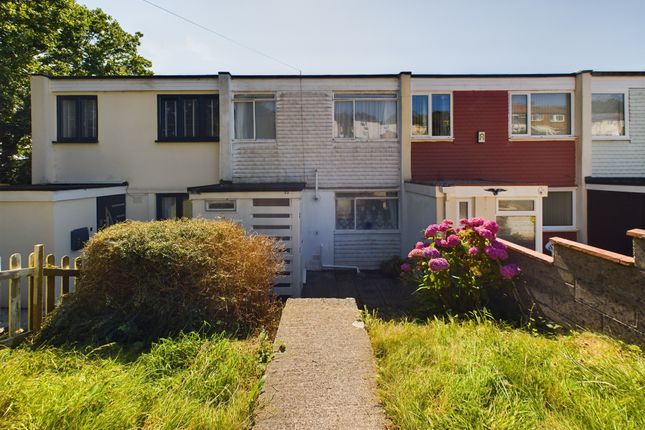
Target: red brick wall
{"points": [[530, 162]]}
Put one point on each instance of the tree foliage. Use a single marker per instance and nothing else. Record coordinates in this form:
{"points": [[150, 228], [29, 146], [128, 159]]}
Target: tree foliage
{"points": [[54, 37]]}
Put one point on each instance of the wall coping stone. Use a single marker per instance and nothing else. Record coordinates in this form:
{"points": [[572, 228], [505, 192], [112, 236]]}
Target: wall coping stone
{"points": [[593, 251], [637, 233]]}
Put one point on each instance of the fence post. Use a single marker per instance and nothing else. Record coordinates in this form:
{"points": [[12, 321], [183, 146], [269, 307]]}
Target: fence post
{"points": [[14, 296], [50, 286], [64, 285], [36, 288]]}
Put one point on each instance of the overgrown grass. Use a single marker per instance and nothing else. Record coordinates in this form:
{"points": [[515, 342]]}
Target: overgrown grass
{"points": [[478, 373], [191, 381]]}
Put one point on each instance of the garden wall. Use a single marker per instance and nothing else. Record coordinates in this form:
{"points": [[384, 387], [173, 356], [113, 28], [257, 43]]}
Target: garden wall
{"points": [[588, 287]]}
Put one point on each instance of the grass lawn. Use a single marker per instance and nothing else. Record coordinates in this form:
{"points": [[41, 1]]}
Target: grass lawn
{"points": [[191, 381], [481, 374]]}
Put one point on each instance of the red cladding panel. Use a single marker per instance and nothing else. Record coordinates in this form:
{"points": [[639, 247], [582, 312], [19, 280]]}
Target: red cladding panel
{"points": [[498, 159]]}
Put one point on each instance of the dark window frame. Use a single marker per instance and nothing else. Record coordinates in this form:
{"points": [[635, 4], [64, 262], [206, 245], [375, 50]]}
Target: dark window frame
{"points": [[179, 198], [202, 135], [59, 120]]}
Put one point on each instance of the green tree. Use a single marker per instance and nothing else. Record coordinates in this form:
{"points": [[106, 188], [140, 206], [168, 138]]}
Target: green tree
{"points": [[54, 37]]}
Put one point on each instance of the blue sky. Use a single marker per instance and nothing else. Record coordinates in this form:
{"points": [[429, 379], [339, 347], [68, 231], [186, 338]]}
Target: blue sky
{"points": [[378, 36]]}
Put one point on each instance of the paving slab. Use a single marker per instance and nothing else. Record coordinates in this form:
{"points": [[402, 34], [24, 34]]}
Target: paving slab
{"points": [[323, 374]]}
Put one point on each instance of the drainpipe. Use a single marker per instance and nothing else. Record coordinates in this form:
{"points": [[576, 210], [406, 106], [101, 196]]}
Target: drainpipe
{"points": [[316, 196]]}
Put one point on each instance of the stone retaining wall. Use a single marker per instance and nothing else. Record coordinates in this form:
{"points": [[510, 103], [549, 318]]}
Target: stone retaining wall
{"points": [[588, 287]]}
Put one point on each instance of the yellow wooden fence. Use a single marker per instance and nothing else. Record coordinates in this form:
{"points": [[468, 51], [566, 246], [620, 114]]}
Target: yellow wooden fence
{"points": [[41, 273]]}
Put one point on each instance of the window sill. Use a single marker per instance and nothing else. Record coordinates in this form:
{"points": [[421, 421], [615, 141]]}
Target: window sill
{"points": [[541, 138], [75, 142], [555, 229], [213, 140], [367, 231], [252, 141], [431, 139], [394, 139], [610, 138]]}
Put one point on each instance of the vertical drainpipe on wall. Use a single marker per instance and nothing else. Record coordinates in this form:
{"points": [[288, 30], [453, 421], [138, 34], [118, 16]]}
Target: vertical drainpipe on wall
{"points": [[225, 127], [582, 107], [42, 121], [406, 153]]}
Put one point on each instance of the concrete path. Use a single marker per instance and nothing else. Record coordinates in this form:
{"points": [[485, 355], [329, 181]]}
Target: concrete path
{"points": [[325, 377]]}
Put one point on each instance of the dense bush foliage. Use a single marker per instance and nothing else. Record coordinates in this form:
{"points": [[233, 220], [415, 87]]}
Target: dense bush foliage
{"points": [[458, 268], [145, 280]]}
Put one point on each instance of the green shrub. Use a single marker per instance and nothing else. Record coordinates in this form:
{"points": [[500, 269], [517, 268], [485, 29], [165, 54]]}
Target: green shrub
{"points": [[460, 268], [144, 280]]}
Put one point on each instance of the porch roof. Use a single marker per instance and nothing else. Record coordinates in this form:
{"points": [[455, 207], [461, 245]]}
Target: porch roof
{"points": [[230, 187]]}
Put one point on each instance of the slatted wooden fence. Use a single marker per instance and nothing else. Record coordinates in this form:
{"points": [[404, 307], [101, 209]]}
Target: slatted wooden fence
{"points": [[41, 273]]}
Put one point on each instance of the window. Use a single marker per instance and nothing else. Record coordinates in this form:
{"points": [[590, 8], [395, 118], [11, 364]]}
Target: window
{"points": [[365, 116], [367, 211], [549, 113], [518, 221], [440, 123], [77, 119], [608, 115], [188, 117], [464, 209], [220, 205], [174, 205], [254, 117], [557, 209]]}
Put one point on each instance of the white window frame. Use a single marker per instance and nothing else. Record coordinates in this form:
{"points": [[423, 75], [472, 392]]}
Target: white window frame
{"points": [[208, 202], [429, 136], [529, 134], [574, 212], [625, 93], [469, 201], [253, 97], [353, 100], [536, 212], [355, 230]]}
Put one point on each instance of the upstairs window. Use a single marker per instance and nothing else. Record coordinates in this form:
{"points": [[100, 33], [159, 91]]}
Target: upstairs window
{"points": [[608, 115], [365, 116], [549, 113], [432, 115], [188, 117], [77, 119], [254, 117]]}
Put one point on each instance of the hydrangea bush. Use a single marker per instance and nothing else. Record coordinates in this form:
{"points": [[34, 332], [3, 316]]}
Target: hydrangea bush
{"points": [[459, 267]]}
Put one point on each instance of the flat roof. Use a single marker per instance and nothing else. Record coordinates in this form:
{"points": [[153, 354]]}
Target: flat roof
{"points": [[59, 187], [358, 75], [615, 181], [230, 187]]}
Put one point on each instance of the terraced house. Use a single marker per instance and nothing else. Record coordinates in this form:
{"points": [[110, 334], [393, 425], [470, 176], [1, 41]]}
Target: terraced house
{"points": [[346, 170]]}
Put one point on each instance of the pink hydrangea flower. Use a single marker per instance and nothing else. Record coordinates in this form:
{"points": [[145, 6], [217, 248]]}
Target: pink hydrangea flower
{"points": [[476, 222], [457, 229], [492, 226], [509, 271], [447, 221], [405, 267], [415, 253], [464, 222], [485, 233], [419, 245], [430, 252], [444, 227], [438, 264], [497, 244], [496, 253], [441, 243], [452, 241], [473, 250], [432, 230]]}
